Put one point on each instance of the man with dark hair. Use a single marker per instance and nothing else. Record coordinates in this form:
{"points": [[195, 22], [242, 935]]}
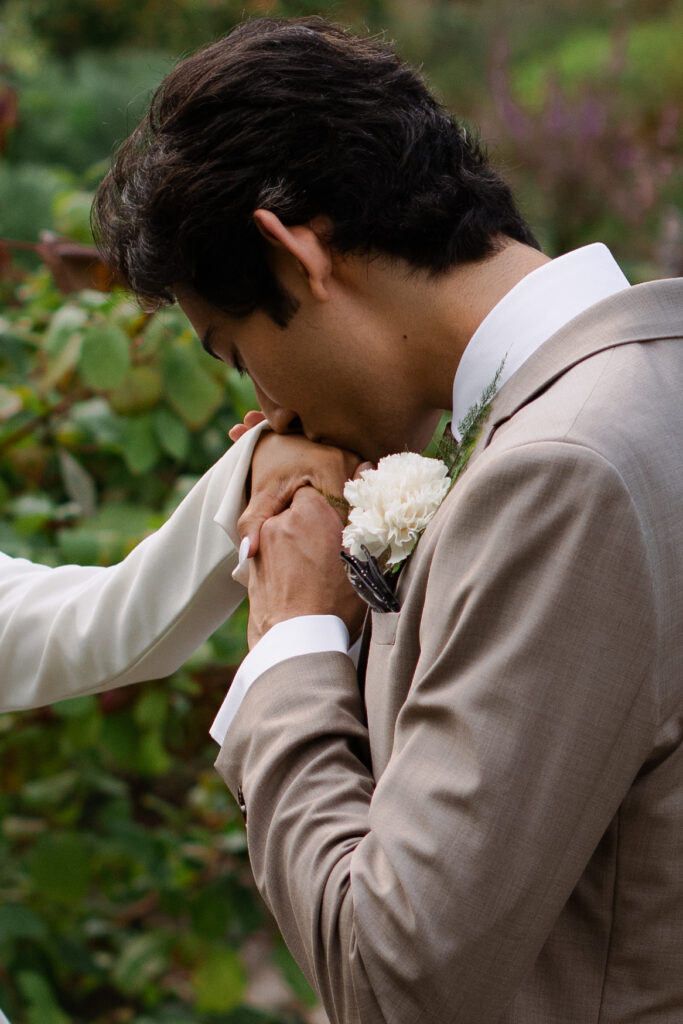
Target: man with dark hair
{"points": [[304, 120], [483, 822]]}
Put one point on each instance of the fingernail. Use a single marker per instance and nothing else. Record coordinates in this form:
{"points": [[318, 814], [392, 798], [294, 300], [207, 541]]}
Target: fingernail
{"points": [[241, 570], [244, 551]]}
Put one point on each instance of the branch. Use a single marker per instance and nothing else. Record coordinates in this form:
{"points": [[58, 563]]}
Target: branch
{"points": [[55, 410]]}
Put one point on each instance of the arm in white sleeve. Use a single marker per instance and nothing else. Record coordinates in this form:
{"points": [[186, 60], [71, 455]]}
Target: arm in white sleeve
{"points": [[73, 630], [304, 634]]}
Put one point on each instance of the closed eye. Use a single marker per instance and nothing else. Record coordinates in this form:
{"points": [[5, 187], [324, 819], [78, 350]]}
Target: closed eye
{"points": [[237, 365], [206, 343], [208, 347]]}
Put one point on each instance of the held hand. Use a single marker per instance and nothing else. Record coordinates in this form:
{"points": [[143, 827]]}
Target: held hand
{"points": [[297, 570], [253, 417], [283, 463]]}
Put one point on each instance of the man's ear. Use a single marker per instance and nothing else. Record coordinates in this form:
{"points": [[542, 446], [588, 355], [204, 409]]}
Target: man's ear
{"points": [[305, 244]]}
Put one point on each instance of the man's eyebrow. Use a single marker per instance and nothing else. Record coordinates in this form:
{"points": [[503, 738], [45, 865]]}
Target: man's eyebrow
{"points": [[206, 342]]}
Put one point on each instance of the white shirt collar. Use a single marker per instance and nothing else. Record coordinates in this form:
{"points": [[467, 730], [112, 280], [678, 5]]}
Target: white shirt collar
{"points": [[536, 308]]}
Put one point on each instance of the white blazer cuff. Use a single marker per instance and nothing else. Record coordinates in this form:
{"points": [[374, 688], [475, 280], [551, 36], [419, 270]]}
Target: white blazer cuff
{"points": [[306, 634]]}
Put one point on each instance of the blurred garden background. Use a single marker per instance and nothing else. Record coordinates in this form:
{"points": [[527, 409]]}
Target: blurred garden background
{"points": [[125, 892]]}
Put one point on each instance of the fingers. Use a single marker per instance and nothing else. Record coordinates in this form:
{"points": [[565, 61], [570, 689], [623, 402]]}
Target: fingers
{"points": [[282, 466], [267, 505], [297, 570], [251, 418], [361, 469], [263, 506], [306, 531], [309, 498], [310, 513]]}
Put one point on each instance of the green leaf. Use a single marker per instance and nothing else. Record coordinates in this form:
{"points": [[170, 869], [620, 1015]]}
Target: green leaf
{"points": [[164, 327], [20, 829], [60, 368], [19, 922], [78, 483], [153, 758], [139, 443], [140, 390], [224, 909], [80, 733], [31, 512], [16, 354], [58, 864], [189, 388], [119, 741], [108, 535], [53, 789], [12, 543], [151, 708], [88, 547], [105, 356], [10, 403], [130, 521], [219, 981], [76, 707], [96, 418], [72, 215], [64, 324], [42, 1006], [173, 435], [102, 539], [142, 959]]}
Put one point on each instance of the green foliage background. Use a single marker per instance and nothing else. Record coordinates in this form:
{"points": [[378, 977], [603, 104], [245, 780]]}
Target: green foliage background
{"points": [[125, 893]]}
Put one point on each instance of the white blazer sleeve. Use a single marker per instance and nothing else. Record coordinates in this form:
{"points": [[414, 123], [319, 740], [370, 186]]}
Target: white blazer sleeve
{"points": [[73, 630]]}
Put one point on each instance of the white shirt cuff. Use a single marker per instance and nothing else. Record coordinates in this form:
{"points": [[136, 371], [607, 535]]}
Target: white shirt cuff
{"points": [[305, 634]]}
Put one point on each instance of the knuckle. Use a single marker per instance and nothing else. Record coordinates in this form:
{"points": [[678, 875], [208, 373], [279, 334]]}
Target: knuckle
{"points": [[273, 527]]}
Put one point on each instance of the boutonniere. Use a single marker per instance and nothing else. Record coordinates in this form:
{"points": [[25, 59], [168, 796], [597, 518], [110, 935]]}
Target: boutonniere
{"points": [[390, 506]]}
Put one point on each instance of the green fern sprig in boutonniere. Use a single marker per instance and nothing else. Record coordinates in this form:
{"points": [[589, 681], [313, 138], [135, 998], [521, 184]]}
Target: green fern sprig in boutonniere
{"points": [[455, 454]]}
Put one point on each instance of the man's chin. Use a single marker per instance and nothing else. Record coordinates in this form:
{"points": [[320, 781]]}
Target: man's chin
{"points": [[375, 449]]}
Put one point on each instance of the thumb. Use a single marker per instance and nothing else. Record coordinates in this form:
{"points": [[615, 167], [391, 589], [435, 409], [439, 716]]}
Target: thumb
{"points": [[361, 469], [251, 418], [238, 431], [263, 505]]}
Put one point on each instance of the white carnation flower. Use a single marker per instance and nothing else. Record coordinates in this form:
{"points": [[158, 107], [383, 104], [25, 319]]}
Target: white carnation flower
{"points": [[391, 505]]}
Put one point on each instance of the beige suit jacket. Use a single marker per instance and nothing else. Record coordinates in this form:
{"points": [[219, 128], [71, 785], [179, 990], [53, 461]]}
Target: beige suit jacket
{"points": [[494, 831]]}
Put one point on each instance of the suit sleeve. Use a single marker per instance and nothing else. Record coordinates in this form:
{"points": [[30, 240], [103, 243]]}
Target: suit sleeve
{"points": [[74, 630], [428, 893]]}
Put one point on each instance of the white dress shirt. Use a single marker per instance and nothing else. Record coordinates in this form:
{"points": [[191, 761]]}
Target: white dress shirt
{"points": [[527, 316]]}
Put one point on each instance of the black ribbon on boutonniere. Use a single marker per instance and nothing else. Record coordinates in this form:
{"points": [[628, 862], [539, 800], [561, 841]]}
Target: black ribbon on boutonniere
{"points": [[367, 579]]}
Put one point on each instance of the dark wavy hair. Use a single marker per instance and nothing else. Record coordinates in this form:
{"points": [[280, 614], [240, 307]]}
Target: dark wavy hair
{"points": [[302, 118]]}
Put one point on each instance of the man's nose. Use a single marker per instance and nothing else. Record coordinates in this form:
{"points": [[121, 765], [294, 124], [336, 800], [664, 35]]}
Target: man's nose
{"points": [[282, 421]]}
